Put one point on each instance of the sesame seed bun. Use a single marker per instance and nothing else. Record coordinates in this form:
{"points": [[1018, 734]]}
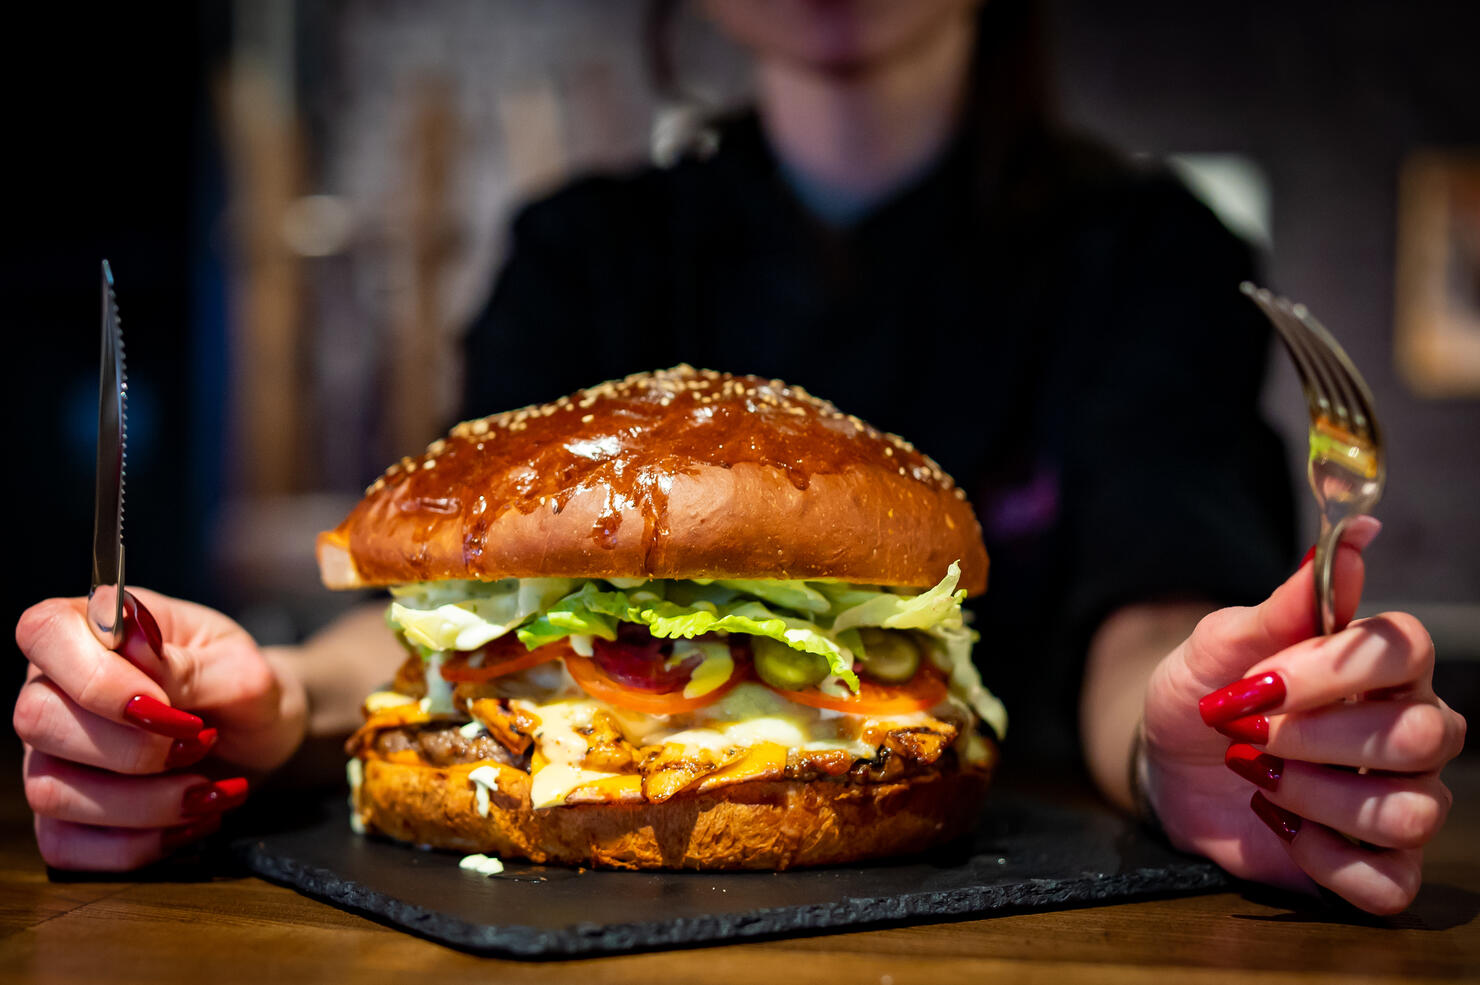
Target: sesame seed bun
{"points": [[674, 474]]}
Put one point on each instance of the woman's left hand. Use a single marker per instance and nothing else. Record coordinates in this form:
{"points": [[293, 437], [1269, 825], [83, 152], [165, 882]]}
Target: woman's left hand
{"points": [[1338, 739]]}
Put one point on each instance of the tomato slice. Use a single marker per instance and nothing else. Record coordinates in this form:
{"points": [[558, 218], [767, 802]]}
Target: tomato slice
{"points": [[596, 683], [503, 656], [923, 691]]}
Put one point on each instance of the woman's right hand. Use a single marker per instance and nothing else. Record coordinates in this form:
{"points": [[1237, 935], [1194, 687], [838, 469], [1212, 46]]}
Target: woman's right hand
{"points": [[130, 755]]}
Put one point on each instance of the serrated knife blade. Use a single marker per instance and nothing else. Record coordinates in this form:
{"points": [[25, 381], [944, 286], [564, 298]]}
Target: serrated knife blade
{"points": [[105, 602]]}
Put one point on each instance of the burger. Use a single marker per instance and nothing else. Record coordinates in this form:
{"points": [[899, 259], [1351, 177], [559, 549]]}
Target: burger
{"points": [[680, 620]]}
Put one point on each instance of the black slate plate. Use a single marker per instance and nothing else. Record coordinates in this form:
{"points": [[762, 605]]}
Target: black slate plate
{"points": [[1025, 854]]}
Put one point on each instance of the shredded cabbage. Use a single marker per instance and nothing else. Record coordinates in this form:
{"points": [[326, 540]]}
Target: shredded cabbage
{"points": [[464, 615]]}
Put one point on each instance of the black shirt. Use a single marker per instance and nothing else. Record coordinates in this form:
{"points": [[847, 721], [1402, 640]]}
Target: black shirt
{"points": [[1078, 357]]}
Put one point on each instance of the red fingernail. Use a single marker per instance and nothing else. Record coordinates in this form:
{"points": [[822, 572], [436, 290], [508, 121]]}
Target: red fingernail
{"points": [[1309, 557], [1246, 697], [186, 752], [1250, 728], [213, 798], [1260, 769], [158, 717], [174, 838], [1279, 820], [143, 643]]}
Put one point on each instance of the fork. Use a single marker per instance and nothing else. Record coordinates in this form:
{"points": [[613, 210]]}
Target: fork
{"points": [[1347, 467]]}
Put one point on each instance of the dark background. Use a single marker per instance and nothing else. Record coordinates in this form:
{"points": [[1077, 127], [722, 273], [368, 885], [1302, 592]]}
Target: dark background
{"points": [[116, 150]]}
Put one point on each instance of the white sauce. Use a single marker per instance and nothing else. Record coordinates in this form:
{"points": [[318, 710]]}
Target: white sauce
{"points": [[354, 772], [439, 691], [485, 779], [484, 865]]}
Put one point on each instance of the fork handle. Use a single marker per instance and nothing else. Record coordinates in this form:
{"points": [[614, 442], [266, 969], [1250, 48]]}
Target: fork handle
{"points": [[1325, 569]]}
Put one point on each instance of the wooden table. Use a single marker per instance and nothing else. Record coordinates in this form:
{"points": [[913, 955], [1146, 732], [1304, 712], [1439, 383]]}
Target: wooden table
{"points": [[244, 929]]}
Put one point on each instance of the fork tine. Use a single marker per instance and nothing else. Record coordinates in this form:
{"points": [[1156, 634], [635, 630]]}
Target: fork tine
{"points": [[1354, 387], [1309, 381], [1336, 405], [1321, 349]]}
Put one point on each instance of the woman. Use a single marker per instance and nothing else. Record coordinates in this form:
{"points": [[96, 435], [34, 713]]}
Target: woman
{"points": [[898, 228]]}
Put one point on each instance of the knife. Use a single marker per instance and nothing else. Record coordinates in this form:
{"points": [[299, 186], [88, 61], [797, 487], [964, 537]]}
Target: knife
{"points": [[112, 612]]}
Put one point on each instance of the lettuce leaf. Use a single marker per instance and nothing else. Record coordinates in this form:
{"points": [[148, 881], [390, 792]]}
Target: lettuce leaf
{"points": [[798, 596], [821, 618], [667, 619], [568, 617]]}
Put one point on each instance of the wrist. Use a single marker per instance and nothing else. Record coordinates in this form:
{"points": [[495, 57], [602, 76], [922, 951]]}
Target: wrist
{"points": [[293, 711]]}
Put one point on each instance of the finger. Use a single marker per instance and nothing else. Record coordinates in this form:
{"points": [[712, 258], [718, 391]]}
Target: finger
{"points": [[1381, 882], [55, 637], [1397, 736], [66, 845], [1380, 809], [66, 791], [47, 719], [1392, 650], [1386, 654], [1230, 641]]}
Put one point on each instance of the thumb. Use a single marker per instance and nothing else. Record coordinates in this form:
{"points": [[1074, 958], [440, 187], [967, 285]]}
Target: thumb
{"points": [[1232, 640]]}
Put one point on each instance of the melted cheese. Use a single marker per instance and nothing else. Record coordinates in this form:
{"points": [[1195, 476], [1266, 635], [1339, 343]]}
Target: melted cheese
{"points": [[551, 784], [378, 701], [767, 761]]}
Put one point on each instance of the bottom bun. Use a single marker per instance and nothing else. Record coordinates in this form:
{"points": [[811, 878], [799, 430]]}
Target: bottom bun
{"points": [[761, 824]]}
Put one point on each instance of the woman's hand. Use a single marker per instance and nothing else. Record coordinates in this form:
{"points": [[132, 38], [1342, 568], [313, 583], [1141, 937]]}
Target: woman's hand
{"points": [[130, 755], [1339, 740]]}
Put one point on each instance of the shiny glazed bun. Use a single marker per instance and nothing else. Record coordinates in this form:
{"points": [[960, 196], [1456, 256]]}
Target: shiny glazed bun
{"points": [[680, 473]]}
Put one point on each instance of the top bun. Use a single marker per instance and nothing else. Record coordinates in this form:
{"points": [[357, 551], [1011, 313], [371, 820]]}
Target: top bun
{"points": [[681, 473]]}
